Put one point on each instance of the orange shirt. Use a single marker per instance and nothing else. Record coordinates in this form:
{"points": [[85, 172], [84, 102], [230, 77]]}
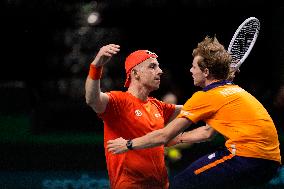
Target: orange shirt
{"points": [[128, 117], [240, 117]]}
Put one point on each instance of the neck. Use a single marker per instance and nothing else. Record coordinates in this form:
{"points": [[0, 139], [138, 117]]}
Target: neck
{"points": [[208, 82], [139, 92]]}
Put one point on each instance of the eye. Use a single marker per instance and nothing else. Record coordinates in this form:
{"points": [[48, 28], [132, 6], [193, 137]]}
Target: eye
{"points": [[153, 66]]}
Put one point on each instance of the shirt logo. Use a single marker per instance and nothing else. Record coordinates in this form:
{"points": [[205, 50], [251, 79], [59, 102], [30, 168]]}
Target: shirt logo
{"points": [[230, 91], [138, 113], [185, 113], [211, 156], [157, 115]]}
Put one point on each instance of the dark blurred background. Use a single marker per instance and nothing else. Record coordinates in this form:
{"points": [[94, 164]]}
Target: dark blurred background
{"points": [[46, 128]]}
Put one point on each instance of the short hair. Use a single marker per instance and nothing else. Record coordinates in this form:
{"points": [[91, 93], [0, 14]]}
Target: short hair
{"points": [[214, 57]]}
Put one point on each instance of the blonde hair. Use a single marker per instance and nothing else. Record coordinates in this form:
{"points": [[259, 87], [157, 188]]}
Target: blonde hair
{"points": [[214, 57]]}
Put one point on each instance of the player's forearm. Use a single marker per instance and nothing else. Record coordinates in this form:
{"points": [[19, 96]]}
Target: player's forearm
{"points": [[152, 139], [162, 136], [155, 138], [200, 134], [159, 137], [94, 97], [92, 88], [174, 141]]}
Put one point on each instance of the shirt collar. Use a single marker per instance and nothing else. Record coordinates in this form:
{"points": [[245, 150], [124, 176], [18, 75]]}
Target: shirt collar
{"points": [[217, 84]]}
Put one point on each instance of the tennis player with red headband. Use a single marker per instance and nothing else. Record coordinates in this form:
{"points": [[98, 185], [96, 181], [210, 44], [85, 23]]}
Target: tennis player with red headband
{"points": [[131, 114], [251, 155]]}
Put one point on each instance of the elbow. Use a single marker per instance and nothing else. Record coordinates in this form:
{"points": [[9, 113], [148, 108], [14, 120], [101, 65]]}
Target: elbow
{"points": [[160, 138], [89, 101], [97, 106], [209, 136], [164, 139]]}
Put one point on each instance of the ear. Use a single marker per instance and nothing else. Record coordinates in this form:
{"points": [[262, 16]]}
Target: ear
{"points": [[206, 72], [135, 73]]}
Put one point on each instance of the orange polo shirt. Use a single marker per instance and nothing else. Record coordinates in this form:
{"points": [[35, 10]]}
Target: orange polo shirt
{"points": [[240, 117], [128, 117]]}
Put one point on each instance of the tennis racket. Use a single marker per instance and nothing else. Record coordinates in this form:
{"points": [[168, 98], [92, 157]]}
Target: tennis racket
{"points": [[243, 41]]}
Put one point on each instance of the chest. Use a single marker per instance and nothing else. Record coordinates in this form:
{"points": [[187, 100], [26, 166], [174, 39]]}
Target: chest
{"points": [[147, 115]]}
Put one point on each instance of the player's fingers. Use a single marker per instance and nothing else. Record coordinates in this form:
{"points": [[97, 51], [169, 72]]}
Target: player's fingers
{"points": [[110, 144], [114, 150], [113, 48], [110, 50], [113, 141]]}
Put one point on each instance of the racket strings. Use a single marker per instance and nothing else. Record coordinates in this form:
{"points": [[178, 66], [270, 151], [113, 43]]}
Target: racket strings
{"points": [[244, 39]]}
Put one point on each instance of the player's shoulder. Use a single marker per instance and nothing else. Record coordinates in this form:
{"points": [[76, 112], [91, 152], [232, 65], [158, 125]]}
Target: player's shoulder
{"points": [[226, 91], [152, 99], [199, 94], [204, 96], [155, 101], [231, 87], [223, 87], [117, 94]]}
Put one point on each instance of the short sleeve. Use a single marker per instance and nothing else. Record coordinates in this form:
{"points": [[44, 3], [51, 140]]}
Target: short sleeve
{"points": [[198, 108], [166, 109], [113, 106]]}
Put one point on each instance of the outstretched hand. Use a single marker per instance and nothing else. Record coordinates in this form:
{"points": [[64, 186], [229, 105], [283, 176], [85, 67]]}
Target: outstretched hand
{"points": [[117, 146], [232, 74], [233, 71], [105, 53]]}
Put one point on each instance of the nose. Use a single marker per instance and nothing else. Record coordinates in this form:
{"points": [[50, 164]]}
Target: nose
{"points": [[160, 71]]}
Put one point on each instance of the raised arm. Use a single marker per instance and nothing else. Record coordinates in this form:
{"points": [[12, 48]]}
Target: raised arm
{"points": [[94, 97]]}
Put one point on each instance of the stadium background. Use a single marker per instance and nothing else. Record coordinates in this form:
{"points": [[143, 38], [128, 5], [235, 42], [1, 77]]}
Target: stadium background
{"points": [[49, 137]]}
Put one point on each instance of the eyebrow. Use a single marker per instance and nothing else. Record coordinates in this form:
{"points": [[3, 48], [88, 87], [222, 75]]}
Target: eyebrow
{"points": [[153, 64]]}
